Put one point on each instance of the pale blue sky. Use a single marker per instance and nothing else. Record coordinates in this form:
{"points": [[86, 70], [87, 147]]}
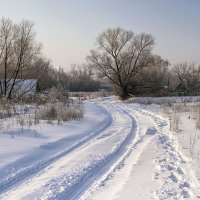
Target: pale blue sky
{"points": [[68, 28]]}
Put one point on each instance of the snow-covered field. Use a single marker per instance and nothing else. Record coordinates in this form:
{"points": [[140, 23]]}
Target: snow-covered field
{"points": [[118, 151]]}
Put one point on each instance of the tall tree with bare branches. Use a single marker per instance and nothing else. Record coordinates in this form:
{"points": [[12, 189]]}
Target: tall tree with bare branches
{"points": [[26, 51], [7, 39], [19, 53], [120, 55]]}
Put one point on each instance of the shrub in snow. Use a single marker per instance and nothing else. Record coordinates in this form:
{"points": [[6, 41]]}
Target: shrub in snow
{"points": [[60, 112], [20, 117]]}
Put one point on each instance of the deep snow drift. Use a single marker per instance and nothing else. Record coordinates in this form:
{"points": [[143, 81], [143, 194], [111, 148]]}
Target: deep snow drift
{"points": [[117, 151]]}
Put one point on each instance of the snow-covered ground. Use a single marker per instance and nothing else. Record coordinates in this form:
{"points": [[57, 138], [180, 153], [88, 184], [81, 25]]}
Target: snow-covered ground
{"points": [[117, 151]]}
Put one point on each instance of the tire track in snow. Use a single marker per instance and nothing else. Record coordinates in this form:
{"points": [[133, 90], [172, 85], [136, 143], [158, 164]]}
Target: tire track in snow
{"points": [[112, 160], [30, 171], [93, 169], [137, 146]]}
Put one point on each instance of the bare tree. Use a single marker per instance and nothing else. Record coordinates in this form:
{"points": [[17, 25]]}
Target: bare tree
{"points": [[120, 55], [189, 78], [81, 79], [152, 80], [26, 50], [19, 52], [7, 36]]}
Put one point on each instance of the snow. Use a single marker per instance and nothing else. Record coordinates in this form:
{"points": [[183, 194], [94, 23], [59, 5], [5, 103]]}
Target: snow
{"points": [[117, 151], [22, 155]]}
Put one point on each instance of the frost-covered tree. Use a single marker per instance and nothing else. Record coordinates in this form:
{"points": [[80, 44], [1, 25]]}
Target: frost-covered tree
{"points": [[19, 53], [120, 55]]}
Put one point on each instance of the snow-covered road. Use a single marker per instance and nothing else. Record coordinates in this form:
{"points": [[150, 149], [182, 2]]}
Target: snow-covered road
{"points": [[121, 152]]}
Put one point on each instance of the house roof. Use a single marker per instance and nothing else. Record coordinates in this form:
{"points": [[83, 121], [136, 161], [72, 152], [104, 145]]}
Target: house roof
{"points": [[23, 86]]}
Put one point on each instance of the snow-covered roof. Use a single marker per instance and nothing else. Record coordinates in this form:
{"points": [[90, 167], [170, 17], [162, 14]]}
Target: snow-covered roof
{"points": [[23, 86]]}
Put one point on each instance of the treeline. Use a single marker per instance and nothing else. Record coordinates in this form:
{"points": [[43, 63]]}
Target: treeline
{"points": [[161, 79], [122, 59], [127, 61], [79, 78]]}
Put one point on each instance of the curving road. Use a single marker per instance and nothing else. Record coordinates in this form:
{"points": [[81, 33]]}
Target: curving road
{"points": [[107, 160], [70, 173]]}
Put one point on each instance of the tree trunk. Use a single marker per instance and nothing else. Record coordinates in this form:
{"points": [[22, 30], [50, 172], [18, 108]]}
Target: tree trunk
{"points": [[123, 92]]}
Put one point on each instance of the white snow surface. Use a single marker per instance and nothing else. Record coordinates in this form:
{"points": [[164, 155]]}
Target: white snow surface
{"points": [[117, 151]]}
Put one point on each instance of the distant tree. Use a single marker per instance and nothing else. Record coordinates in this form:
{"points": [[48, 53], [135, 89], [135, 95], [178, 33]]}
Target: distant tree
{"points": [[152, 80], [188, 76], [120, 55], [81, 79], [52, 77]]}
